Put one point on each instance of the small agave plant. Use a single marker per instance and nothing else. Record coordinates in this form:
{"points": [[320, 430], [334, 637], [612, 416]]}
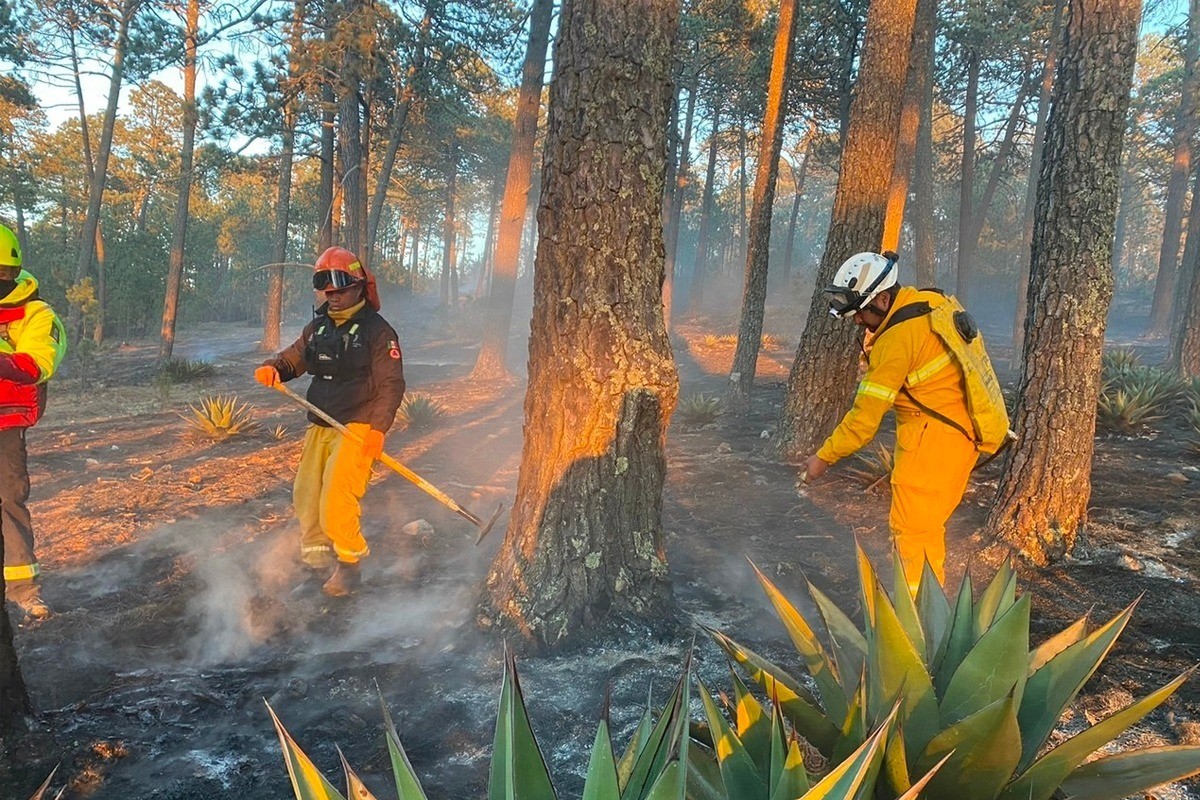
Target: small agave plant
{"points": [[221, 416], [972, 694], [661, 762]]}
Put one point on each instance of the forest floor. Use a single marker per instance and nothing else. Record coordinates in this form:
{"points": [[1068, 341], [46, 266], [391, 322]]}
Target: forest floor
{"points": [[171, 560]]}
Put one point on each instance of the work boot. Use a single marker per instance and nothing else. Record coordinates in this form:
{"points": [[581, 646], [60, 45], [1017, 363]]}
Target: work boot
{"points": [[28, 598], [344, 581], [313, 579]]}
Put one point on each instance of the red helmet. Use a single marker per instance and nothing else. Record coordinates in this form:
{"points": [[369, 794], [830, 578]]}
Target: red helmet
{"points": [[338, 268]]}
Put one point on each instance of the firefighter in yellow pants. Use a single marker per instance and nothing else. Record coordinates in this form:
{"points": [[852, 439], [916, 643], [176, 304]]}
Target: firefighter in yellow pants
{"points": [[358, 379], [910, 369]]}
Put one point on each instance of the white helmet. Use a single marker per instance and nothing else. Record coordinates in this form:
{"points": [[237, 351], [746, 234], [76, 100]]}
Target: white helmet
{"points": [[859, 279]]}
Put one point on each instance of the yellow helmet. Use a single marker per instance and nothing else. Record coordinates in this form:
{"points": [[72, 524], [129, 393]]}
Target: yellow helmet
{"points": [[10, 248]]}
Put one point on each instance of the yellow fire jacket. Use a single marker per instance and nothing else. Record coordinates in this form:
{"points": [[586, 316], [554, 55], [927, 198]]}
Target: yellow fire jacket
{"points": [[32, 345], [909, 355]]}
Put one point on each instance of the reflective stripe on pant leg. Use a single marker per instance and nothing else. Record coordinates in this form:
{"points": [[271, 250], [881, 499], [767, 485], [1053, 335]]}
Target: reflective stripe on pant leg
{"points": [[20, 563], [315, 548], [344, 486], [933, 464]]}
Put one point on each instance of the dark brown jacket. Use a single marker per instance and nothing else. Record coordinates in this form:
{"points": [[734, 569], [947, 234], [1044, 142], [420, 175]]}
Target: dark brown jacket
{"points": [[357, 369]]}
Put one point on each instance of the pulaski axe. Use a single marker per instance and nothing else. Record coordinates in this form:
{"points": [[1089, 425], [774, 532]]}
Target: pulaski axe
{"points": [[422, 484]]}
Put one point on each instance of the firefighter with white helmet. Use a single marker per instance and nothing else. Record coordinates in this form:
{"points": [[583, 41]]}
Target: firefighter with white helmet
{"points": [[926, 361], [32, 345]]}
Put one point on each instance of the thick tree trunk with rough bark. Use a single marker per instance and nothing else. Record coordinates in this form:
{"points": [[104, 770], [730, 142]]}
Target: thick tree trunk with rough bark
{"points": [[585, 542], [1161, 309], [823, 375], [350, 140], [758, 245], [492, 362], [1035, 168], [191, 117], [1043, 494]]}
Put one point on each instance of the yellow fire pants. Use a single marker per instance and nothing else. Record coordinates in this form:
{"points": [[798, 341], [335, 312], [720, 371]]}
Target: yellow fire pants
{"points": [[330, 482], [933, 464]]}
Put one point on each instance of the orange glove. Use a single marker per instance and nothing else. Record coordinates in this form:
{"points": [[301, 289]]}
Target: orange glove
{"points": [[372, 447], [267, 375]]}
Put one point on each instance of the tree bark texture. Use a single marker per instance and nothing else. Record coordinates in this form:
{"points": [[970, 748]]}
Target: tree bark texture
{"points": [[492, 362], [758, 243], [1035, 168], [678, 183], [585, 539], [166, 339], [449, 229], [1161, 309], [1043, 494], [822, 378], [920, 65], [924, 231], [350, 138]]}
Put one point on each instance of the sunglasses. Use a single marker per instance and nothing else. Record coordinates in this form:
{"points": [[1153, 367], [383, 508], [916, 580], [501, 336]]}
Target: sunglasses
{"points": [[333, 280]]}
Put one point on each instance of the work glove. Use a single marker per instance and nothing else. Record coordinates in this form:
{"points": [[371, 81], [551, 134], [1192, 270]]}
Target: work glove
{"points": [[267, 375], [372, 447]]}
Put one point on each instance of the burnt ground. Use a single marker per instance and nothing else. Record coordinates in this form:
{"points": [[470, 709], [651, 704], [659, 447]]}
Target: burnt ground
{"points": [[170, 560]]}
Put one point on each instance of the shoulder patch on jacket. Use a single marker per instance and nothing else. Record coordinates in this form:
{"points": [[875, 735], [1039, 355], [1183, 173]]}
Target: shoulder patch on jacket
{"points": [[394, 349]]}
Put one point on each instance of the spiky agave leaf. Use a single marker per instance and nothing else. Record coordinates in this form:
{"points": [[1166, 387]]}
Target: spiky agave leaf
{"points": [[407, 785], [518, 767], [307, 781], [602, 782], [739, 774], [1117, 776], [355, 788], [665, 745], [40, 794]]}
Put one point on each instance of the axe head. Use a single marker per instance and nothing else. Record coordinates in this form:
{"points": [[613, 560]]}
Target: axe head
{"points": [[486, 529]]}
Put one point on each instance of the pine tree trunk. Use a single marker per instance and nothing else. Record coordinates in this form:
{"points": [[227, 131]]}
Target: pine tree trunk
{"points": [[823, 375], [758, 250], [678, 184], [1043, 494], [966, 188], [492, 362], [700, 268], [1161, 309], [1035, 169], [448, 225], [327, 201], [798, 178], [924, 230], [166, 341], [919, 66], [585, 543], [350, 137], [1185, 338]]}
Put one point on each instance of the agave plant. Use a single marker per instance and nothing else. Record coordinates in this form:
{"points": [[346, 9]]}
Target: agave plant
{"points": [[421, 411], [1114, 362], [697, 410], [43, 792], [278, 433], [874, 466], [221, 416], [659, 763], [970, 688], [182, 370]]}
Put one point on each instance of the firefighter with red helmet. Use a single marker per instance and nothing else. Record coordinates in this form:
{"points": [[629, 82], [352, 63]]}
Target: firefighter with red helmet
{"points": [[353, 355], [32, 345]]}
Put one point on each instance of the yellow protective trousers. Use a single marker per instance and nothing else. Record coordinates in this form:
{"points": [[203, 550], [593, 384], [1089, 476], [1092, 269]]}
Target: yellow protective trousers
{"points": [[932, 465], [330, 482]]}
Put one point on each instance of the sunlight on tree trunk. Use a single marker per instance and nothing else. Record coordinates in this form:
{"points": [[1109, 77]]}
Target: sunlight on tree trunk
{"points": [[1185, 338], [758, 251], [492, 362], [166, 342], [585, 541], [919, 66], [922, 220], [823, 375], [1043, 494]]}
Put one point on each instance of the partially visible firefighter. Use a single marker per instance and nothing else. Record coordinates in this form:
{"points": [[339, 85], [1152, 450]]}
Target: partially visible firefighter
{"points": [[927, 360], [354, 357], [32, 345]]}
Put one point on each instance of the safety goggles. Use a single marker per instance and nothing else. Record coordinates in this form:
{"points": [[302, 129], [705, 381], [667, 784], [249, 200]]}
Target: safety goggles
{"points": [[844, 301], [333, 280]]}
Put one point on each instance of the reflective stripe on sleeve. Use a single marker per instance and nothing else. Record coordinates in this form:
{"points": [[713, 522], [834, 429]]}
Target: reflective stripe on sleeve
{"points": [[23, 572], [876, 390], [927, 371]]}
